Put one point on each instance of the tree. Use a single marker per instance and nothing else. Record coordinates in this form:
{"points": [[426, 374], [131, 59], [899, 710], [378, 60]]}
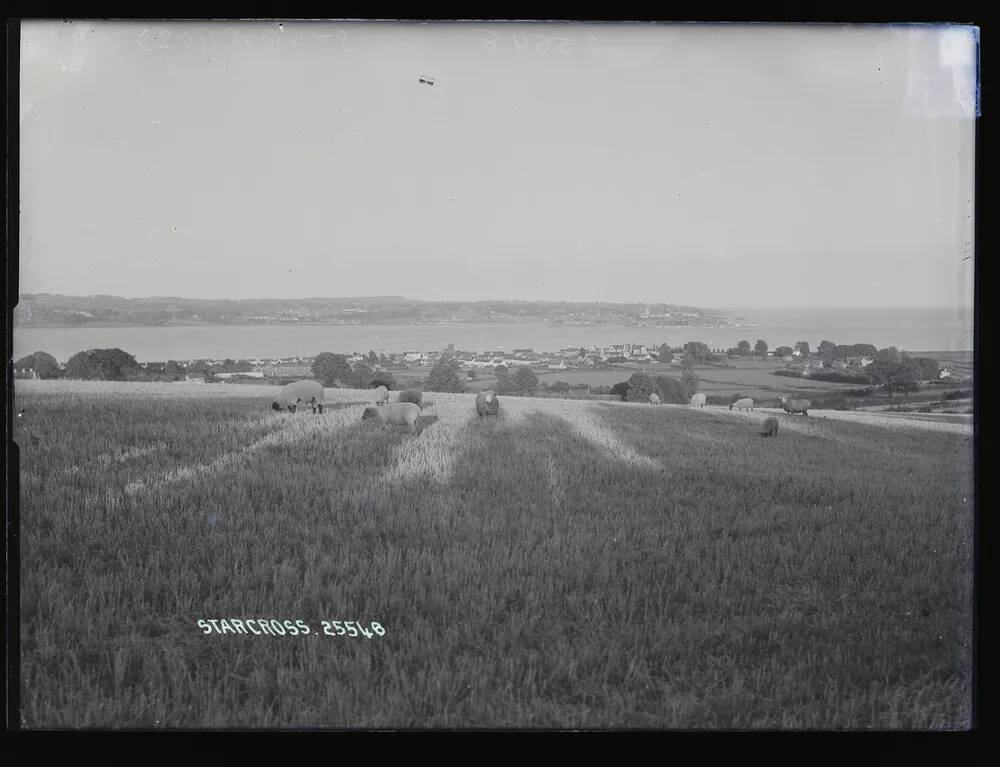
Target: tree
{"points": [[445, 377], [559, 387], [103, 365], [525, 380], [803, 346], [582, 353], [902, 377], [689, 379], [504, 384], [929, 368], [782, 351], [696, 350], [671, 390], [889, 355], [760, 348], [172, 370], [42, 364], [329, 368], [640, 386], [826, 349], [620, 389], [744, 348], [665, 354], [360, 377], [372, 358]]}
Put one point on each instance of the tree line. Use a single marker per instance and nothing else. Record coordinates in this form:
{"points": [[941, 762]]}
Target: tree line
{"points": [[118, 365]]}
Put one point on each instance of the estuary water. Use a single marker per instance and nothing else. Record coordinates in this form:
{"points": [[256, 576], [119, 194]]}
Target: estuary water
{"points": [[933, 329]]}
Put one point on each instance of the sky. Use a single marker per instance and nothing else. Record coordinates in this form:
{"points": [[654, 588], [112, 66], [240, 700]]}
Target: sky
{"points": [[707, 165]]}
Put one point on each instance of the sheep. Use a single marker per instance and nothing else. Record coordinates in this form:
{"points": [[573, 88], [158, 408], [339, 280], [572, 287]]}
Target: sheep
{"points": [[654, 399], [396, 414], [770, 427], [300, 391], [795, 405], [746, 403], [381, 395], [487, 403], [411, 395], [698, 400]]}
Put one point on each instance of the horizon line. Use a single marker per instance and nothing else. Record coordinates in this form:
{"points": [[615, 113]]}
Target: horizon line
{"points": [[771, 307]]}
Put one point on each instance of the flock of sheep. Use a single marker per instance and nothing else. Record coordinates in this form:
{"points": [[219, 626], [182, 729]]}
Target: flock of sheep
{"points": [[406, 409], [403, 412], [770, 428]]}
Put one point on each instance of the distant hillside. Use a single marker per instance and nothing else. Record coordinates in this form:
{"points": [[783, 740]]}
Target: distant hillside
{"points": [[40, 310]]}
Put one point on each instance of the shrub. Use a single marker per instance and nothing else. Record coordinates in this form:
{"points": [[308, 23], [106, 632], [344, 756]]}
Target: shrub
{"points": [[620, 390], [958, 394], [671, 390]]}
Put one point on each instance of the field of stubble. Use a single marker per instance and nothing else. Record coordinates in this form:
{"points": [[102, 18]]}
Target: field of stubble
{"points": [[570, 564]]}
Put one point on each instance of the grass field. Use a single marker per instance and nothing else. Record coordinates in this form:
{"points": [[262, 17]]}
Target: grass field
{"points": [[569, 564]]}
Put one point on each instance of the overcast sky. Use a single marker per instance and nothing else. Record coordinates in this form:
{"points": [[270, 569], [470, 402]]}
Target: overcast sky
{"points": [[708, 165]]}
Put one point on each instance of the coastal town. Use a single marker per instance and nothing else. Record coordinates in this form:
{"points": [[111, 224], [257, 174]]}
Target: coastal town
{"points": [[800, 360]]}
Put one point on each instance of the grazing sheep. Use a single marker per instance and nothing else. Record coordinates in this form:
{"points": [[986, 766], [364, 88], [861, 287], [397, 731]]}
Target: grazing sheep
{"points": [[396, 414], [770, 427], [698, 400], [411, 395], [746, 403], [795, 405], [300, 391], [381, 395], [487, 403], [654, 399]]}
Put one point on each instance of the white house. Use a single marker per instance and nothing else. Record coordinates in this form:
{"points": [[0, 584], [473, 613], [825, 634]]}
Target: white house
{"points": [[945, 373]]}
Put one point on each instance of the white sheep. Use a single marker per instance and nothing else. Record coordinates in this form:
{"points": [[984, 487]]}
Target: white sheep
{"points": [[396, 414], [487, 403], [411, 395], [698, 400], [770, 427], [746, 403], [300, 391], [795, 405], [381, 395], [654, 399]]}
